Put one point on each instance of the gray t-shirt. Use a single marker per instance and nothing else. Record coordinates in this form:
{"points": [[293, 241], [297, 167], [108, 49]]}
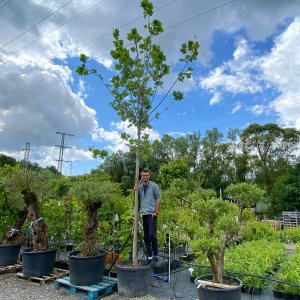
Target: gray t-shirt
{"points": [[148, 195]]}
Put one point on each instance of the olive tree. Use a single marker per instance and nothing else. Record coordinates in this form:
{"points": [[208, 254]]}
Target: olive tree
{"points": [[93, 191], [221, 222], [23, 189]]}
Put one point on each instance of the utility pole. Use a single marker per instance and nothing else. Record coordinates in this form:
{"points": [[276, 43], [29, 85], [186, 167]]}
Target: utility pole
{"points": [[26, 156], [62, 146]]}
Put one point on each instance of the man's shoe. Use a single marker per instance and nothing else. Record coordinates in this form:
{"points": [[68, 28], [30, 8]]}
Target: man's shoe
{"points": [[149, 260], [154, 261]]}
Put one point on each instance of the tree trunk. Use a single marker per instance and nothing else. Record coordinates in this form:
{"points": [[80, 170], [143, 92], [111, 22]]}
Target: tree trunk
{"points": [[136, 200], [39, 228], [217, 265], [16, 236], [90, 239]]}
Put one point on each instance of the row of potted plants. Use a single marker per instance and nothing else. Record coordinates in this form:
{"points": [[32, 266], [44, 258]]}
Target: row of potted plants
{"points": [[95, 191]]}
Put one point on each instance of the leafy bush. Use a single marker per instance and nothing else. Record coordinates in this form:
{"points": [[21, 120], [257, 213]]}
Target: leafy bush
{"points": [[257, 230], [290, 235], [254, 258]]}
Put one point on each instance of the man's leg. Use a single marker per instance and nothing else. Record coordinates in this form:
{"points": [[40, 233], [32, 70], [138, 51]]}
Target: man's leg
{"points": [[146, 220], [152, 237]]}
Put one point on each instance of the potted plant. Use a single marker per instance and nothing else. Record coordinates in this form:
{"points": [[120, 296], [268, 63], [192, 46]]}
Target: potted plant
{"points": [[13, 216], [86, 266], [141, 69], [220, 224], [26, 186]]}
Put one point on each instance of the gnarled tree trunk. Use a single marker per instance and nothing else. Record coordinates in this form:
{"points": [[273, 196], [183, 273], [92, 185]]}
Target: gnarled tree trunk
{"points": [[39, 228], [90, 240]]}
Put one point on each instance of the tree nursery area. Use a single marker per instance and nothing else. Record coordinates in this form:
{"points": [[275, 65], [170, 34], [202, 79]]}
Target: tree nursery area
{"points": [[229, 209], [226, 210]]}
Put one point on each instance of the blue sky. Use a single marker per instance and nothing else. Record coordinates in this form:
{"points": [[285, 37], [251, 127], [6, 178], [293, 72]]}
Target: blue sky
{"points": [[247, 71]]}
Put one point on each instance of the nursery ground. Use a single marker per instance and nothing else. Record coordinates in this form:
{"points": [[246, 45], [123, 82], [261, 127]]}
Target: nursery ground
{"points": [[180, 287]]}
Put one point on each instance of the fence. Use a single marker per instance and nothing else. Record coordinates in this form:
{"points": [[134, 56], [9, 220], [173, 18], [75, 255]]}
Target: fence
{"points": [[291, 218]]}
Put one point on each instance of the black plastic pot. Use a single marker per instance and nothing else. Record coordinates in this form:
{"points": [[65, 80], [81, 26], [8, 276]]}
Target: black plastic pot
{"points": [[133, 281], [86, 270], [212, 293], [38, 263], [251, 290], [9, 254], [277, 294]]}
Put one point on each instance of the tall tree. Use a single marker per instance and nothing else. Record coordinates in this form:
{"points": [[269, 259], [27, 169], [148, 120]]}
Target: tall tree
{"points": [[7, 160], [213, 159], [272, 148], [141, 69]]}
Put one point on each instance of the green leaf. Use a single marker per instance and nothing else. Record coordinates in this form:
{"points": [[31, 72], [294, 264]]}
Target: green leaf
{"points": [[177, 95]]}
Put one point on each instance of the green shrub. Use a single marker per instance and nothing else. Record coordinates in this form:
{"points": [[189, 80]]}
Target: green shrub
{"points": [[290, 235], [257, 230], [254, 258], [289, 272], [201, 265]]}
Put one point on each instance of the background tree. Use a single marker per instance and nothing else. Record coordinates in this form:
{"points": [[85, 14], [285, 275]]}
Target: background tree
{"points": [[7, 160], [285, 194], [13, 213], [213, 160], [141, 69], [272, 149], [175, 168]]}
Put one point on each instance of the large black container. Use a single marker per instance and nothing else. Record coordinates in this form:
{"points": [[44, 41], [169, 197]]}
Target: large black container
{"points": [[211, 293], [133, 281], [86, 270], [38, 263], [9, 254]]}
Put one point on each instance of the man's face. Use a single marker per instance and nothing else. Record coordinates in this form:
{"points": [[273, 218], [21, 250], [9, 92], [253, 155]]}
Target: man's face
{"points": [[145, 177]]}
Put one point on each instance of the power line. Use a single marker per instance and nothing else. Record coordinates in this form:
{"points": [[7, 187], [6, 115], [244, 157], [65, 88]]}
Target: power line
{"points": [[86, 43], [5, 5], [122, 26], [36, 24], [14, 76], [61, 25], [200, 14]]}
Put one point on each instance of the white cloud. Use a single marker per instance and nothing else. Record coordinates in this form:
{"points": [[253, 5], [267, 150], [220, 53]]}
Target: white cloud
{"points": [[237, 107], [36, 96], [282, 69], [250, 74], [235, 76], [114, 139], [257, 109], [215, 99]]}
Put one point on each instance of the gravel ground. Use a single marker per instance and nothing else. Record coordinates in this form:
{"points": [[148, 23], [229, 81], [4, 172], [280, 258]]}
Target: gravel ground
{"points": [[12, 288]]}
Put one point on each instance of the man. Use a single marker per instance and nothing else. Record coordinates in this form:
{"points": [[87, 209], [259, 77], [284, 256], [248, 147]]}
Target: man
{"points": [[149, 199]]}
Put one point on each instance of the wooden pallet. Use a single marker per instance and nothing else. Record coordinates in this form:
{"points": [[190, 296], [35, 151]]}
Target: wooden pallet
{"points": [[10, 268], [107, 286], [57, 273]]}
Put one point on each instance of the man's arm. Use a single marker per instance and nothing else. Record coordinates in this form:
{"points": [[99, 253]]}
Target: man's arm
{"points": [[157, 210]]}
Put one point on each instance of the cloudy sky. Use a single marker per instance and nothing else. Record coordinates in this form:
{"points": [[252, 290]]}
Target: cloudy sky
{"points": [[248, 71]]}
